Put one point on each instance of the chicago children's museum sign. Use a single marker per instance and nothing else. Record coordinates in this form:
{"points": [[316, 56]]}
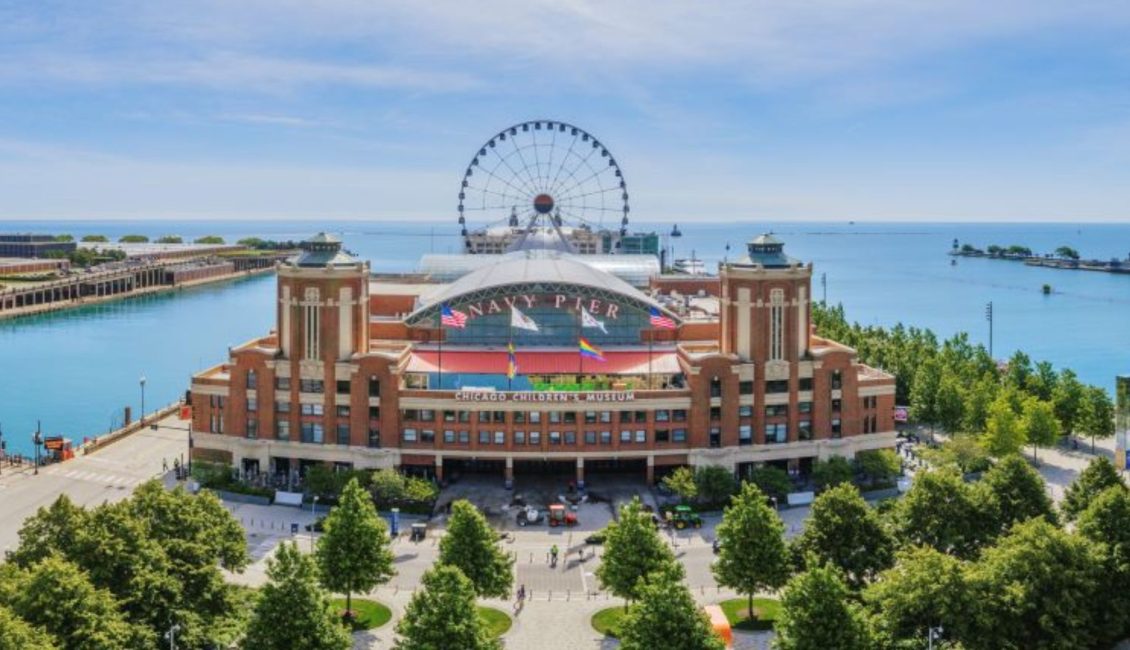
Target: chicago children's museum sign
{"points": [[580, 396]]}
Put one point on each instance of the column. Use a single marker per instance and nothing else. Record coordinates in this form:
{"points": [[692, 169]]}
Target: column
{"points": [[650, 469], [439, 468], [509, 474], [580, 472]]}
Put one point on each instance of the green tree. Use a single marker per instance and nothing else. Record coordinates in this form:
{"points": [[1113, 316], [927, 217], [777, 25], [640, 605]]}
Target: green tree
{"points": [[845, 532], [1017, 492], [1097, 415], [212, 240], [18, 634], [1106, 523], [442, 615], [64, 238], [632, 549], [133, 239], [715, 484], [293, 612], [57, 596], [1036, 588], [170, 239], [961, 452], [817, 614], [681, 482], [52, 529], [98, 239], [752, 555], [942, 512], [949, 403], [977, 400], [773, 481], [666, 616], [1095, 479], [1041, 428], [353, 553], [1067, 252], [924, 393], [924, 589], [1004, 431], [831, 472], [878, 465], [471, 545], [1019, 369], [1067, 400], [388, 485]]}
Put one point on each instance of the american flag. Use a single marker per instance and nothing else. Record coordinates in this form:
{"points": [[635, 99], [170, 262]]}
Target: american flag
{"points": [[452, 317], [660, 321]]}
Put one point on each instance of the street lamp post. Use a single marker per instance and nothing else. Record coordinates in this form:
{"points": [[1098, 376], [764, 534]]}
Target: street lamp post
{"points": [[142, 417], [37, 439], [933, 634], [314, 524], [3, 456], [171, 635]]}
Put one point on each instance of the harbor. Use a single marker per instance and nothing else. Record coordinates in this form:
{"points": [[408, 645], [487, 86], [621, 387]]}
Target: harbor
{"points": [[1065, 258]]}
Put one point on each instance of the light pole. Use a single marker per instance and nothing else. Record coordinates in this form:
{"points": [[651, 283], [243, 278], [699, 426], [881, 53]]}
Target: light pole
{"points": [[37, 439], [142, 382], [3, 456], [933, 634], [314, 524], [989, 317], [171, 635]]}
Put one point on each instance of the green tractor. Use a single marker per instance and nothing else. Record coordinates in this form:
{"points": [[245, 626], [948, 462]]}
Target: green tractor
{"points": [[683, 516]]}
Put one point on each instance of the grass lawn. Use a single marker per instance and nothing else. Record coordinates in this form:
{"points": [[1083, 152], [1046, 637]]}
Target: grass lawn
{"points": [[370, 613], [607, 621], [497, 621], [765, 613]]}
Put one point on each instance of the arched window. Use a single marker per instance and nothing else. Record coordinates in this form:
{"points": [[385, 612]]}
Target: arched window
{"points": [[716, 387]]}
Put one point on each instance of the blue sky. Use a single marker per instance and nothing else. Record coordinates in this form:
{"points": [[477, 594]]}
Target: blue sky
{"points": [[825, 109]]}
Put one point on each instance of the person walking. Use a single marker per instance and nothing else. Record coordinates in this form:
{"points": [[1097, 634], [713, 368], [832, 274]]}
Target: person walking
{"points": [[553, 556]]}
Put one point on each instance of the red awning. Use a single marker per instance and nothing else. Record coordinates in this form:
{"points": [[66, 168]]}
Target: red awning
{"points": [[544, 362]]}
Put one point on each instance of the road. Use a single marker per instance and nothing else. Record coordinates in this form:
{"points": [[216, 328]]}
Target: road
{"points": [[110, 474]]}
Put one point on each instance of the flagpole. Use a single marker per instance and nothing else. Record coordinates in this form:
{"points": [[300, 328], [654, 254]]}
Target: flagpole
{"points": [[580, 354], [650, 338], [509, 355], [441, 356]]}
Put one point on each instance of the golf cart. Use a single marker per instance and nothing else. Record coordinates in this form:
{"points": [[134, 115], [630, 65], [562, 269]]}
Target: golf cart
{"points": [[684, 516], [559, 516], [419, 531], [528, 515]]}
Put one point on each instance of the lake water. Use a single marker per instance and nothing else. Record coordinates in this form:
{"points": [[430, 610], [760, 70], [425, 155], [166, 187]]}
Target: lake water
{"points": [[75, 370]]}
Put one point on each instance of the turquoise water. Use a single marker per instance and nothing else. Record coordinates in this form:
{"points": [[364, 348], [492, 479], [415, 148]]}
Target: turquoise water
{"points": [[75, 370]]}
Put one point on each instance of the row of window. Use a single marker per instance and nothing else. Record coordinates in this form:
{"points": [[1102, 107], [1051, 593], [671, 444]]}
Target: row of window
{"points": [[534, 437], [343, 386], [553, 417], [775, 386]]}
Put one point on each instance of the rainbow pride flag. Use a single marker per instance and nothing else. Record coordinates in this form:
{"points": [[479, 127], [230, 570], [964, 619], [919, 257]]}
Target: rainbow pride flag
{"points": [[511, 362], [590, 351]]}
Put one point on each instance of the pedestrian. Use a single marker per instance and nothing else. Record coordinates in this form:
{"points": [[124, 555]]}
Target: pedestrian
{"points": [[164, 465], [553, 555]]}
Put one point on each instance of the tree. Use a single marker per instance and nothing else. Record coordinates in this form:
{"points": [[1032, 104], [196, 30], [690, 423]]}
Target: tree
{"points": [[1095, 479], [1106, 523], [632, 550], [170, 239], [666, 616], [209, 239], [1067, 252], [924, 589], [353, 553], [442, 615], [924, 393], [817, 614], [52, 529], [100, 239], [681, 482], [940, 511], [831, 472], [878, 465], [1017, 492], [1036, 588], [771, 480], [752, 555], [961, 452], [1097, 414], [57, 596], [388, 485], [977, 399], [133, 239], [1041, 428], [845, 532], [471, 545], [715, 484], [293, 612], [949, 405], [18, 634], [1019, 369], [1067, 400], [1004, 432]]}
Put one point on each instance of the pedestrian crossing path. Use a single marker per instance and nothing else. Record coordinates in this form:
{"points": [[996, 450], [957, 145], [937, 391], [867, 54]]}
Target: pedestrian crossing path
{"points": [[97, 477]]}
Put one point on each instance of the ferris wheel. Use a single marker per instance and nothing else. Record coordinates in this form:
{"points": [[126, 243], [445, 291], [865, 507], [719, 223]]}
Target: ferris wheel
{"points": [[543, 171]]}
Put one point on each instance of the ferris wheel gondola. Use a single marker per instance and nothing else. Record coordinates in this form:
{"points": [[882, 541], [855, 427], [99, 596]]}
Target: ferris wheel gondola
{"points": [[542, 172]]}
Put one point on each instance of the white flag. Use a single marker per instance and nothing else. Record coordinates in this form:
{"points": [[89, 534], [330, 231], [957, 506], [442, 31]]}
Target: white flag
{"points": [[522, 321], [588, 320]]}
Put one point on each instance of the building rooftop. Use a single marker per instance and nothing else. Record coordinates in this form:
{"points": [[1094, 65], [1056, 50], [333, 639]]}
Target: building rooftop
{"points": [[767, 252], [323, 250]]}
